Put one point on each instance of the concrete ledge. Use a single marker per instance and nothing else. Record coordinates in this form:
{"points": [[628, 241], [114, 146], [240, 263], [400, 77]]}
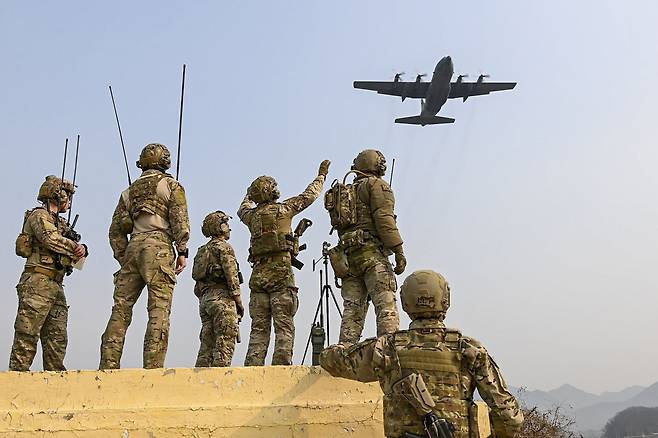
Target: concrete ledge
{"points": [[250, 402]]}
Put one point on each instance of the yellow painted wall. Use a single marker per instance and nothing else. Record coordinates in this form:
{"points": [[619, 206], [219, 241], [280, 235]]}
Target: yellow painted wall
{"points": [[250, 402]]}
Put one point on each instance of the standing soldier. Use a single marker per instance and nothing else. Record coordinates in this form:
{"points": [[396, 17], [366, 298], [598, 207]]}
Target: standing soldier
{"points": [[272, 283], [429, 373], [153, 210], [217, 277], [42, 310], [362, 213]]}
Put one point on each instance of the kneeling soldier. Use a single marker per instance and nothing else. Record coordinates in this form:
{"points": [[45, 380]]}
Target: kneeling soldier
{"points": [[428, 373], [217, 277]]}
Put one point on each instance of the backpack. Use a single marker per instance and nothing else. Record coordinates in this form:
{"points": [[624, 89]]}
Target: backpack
{"points": [[24, 240], [340, 202], [202, 262]]}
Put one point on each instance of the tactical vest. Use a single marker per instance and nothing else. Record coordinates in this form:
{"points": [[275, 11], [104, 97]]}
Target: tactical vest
{"points": [[144, 198], [271, 231], [434, 353], [43, 257]]}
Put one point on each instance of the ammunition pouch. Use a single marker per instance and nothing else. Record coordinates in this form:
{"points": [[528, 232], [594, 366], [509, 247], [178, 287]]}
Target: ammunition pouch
{"points": [[24, 245], [339, 262]]}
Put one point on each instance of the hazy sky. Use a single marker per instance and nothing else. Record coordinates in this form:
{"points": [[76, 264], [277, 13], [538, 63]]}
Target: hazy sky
{"points": [[538, 204]]}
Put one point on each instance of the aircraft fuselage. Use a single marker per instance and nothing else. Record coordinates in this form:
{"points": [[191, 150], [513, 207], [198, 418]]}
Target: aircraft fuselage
{"points": [[439, 89]]}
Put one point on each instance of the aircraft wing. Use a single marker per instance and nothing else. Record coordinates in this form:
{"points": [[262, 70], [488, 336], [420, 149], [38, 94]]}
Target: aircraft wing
{"points": [[467, 89], [407, 89]]}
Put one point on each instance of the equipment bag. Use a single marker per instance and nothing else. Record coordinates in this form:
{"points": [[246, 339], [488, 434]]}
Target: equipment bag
{"points": [[340, 202], [202, 261], [24, 240]]}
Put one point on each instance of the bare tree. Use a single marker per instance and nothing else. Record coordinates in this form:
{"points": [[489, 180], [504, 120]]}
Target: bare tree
{"points": [[552, 423]]}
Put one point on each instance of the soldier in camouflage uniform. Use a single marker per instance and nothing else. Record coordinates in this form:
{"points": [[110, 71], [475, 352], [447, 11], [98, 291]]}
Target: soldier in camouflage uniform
{"points": [[429, 371], [153, 210], [272, 283], [365, 243], [217, 277], [42, 310]]}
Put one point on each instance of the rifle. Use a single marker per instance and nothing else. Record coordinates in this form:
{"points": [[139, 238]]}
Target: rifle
{"points": [[413, 389], [300, 229]]}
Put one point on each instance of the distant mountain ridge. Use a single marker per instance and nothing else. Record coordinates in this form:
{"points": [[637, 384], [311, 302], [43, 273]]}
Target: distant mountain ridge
{"points": [[590, 411]]}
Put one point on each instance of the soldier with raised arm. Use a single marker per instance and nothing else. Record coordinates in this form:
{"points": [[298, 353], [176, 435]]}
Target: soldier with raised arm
{"points": [[153, 211], [429, 373], [273, 295], [50, 255]]}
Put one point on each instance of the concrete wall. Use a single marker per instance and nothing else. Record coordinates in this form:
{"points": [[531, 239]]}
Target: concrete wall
{"points": [[252, 402]]}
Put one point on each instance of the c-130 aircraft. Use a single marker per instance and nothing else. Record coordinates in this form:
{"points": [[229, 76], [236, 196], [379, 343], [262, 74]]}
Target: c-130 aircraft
{"points": [[435, 93]]}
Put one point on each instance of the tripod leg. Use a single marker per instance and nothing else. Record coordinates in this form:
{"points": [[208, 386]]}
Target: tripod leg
{"points": [[335, 302]]}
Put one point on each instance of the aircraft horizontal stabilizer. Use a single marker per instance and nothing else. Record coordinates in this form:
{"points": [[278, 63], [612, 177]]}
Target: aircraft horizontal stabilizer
{"points": [[418, 120]]}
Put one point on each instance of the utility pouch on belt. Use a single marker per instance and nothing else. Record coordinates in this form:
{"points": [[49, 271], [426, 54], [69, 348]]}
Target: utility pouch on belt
{"points": [[24, 240], [338, 260]]}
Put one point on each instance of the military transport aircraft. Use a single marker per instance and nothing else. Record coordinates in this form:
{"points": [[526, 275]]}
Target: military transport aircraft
{"points": [[435, 93]]}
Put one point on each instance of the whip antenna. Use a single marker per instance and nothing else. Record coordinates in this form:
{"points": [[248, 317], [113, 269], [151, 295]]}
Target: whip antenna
{"points": [[180, 122], [75, 173], [66, 149], [123, 147], [390, 181]]}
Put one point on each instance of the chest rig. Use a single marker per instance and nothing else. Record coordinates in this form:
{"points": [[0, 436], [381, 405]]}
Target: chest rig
{"points": [[144, 198]]}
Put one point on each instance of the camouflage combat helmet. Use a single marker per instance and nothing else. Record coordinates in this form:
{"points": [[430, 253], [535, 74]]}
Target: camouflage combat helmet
{"points": [[370, 161], [263, 189], [54, 189], [425, 294], [154, 156], [212, 224]]}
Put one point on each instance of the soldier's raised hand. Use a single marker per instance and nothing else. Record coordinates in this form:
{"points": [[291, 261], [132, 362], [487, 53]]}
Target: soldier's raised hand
{"points": [[324, 168]]}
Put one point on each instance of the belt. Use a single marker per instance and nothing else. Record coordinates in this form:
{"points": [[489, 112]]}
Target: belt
{"points": [[53, 274], [273, 258]]}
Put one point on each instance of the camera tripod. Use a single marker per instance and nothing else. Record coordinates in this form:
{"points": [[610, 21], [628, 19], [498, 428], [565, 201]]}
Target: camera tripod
{"points": [[319, 333]]}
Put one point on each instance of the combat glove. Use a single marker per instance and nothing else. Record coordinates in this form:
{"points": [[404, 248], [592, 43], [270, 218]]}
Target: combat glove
{"points": [[400, 260], [324, 168]]}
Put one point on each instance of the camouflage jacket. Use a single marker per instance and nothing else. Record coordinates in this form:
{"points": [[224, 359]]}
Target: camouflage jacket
{"points": [[48, 243], [375, 204], [453, 366], [173, 222], [275, 219], [223, 266]]}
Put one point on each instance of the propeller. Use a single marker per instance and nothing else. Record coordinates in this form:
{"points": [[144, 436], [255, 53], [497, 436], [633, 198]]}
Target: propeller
{"points": [[482, 77], [420, 76], [397, 76], [460, 77]]}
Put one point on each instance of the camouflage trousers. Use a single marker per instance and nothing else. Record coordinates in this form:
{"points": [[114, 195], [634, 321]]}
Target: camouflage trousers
{"points": [[370, 276], [42, 313], [219, 328], [149, 261], [273, 298]]}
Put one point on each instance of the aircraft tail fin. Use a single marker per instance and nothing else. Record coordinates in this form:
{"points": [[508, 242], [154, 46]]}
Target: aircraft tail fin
{"points": [[418, 120]]}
